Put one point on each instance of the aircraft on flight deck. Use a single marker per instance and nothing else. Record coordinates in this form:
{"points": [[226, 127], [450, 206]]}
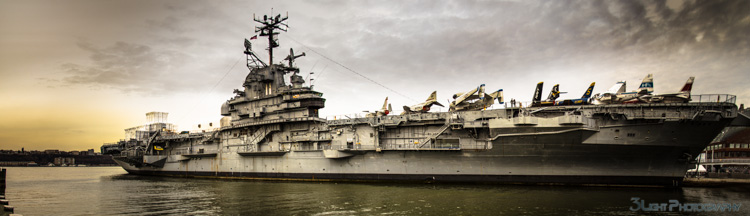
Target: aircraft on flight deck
{"points": [[424, 106], [611, 94], [678, 97], [616, 94], [475, 99], [383, 111], [579, 101]]}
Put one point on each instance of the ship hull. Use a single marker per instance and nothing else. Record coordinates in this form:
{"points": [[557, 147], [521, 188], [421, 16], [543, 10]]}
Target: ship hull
{"points": [[509, 169], [571, 158], [433, 178]]}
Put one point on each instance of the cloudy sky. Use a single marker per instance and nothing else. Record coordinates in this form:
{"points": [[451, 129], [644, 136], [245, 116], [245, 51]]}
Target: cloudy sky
{"points": [[74, 74]]}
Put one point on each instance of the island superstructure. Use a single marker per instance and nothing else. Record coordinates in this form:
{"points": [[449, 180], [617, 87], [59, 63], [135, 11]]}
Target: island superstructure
{"points": [[271, 130]]}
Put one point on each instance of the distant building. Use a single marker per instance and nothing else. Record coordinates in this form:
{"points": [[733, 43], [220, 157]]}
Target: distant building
{"points": [[729, 152], [64, 161], [17, 163], [52, 151], [75, 153]]}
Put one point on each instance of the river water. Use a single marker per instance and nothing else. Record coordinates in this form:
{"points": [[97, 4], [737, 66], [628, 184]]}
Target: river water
{"points": [[111, 191]]}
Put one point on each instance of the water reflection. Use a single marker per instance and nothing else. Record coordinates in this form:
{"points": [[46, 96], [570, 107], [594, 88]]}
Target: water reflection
{"points": [[130, 194], [176, 195], [108, 191]]}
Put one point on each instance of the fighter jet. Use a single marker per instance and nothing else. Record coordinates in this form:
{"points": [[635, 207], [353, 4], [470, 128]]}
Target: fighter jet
{"points": [[616, 94], [424, 106], [383, 111], [611, 94], [553, 95], [579, 101], [475, 99], [678, 97]]}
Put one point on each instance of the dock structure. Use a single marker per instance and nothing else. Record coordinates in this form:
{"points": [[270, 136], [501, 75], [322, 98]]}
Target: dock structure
{"points": [[2, 182], [7, 209]]}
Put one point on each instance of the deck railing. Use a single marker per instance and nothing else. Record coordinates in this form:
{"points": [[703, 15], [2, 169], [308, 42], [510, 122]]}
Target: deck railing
{"points": [[717, 98]]}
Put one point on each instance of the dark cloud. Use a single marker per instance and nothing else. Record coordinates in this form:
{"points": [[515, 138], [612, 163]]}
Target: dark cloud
{"points": [[178, 49], [452, 45], [564, 41], [126, 66]]}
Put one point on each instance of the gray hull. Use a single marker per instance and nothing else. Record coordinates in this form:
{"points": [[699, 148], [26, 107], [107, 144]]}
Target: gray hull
{"points": [[656, 153]]}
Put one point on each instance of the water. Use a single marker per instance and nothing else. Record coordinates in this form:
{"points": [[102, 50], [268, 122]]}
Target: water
{"points": [[110, 191]]}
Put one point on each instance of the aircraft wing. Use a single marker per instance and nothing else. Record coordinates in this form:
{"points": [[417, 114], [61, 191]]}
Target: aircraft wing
{"points": [[497, 94], [667, 95], [470, 95]]}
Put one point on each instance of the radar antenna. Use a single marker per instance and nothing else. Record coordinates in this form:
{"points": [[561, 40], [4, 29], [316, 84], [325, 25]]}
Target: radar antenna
{"points": [[252, 60], [291, 57], [269, 25]]}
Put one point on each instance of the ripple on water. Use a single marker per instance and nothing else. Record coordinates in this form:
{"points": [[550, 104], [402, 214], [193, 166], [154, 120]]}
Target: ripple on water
{"points": [[107, 191]]}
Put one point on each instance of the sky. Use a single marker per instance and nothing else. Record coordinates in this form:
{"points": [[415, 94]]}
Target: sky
{"points": [[74, 74]]}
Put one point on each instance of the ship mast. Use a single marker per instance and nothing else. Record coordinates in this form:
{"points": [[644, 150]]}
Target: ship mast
{"points": [[269, 25]]}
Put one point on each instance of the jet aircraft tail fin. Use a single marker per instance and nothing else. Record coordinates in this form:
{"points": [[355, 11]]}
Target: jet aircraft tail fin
{"points": [[647, 85], [538, 93], [555, 93], [688, 85], [618, 88], [385, 104], [588, 92], [433, 96]]}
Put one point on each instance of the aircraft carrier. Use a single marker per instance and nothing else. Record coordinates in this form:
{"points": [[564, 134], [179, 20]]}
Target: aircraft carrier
{"points": [[271, 130]]}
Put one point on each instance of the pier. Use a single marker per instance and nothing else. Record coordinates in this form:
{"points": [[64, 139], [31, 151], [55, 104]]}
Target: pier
{"points": [[7, 208]]}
